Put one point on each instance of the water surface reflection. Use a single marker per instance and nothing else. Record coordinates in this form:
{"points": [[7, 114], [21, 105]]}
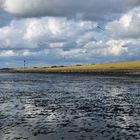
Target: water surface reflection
{"points": [[69, 107]]}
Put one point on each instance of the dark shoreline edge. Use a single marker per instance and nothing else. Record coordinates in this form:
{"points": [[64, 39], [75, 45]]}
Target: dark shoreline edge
{"points": [[116, 74]]}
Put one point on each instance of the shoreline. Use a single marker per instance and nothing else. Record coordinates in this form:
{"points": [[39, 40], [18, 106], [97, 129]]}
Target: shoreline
{"points": [[117, 69], [117, 74]]}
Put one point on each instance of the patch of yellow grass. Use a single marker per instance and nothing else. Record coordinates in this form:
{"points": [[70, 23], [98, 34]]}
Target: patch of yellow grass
{"points": [[123, 67]]}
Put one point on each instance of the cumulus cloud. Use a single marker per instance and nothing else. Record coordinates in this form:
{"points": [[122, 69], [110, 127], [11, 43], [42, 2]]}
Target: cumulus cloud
{"points": [[116, 47], [128, 26], [33, 33], [69, 37], [124, 34], [89, 9], [50, 7], [9, 53], [67, 41], [33, 37]]}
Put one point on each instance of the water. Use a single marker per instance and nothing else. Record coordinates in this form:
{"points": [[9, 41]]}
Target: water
{"points": [[69, 107]]}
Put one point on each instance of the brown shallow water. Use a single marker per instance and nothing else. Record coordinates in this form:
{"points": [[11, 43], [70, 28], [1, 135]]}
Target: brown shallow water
{"points": [[69, 107]]}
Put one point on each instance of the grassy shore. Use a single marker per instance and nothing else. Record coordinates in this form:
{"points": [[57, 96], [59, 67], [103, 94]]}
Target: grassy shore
{"points": [[128, 68]]}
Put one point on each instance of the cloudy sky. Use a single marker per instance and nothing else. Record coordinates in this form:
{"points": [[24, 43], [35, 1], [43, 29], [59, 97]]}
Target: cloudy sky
{"points": [[68, 32]]}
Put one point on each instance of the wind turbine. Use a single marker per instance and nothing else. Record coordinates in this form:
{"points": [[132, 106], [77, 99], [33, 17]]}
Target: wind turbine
{"points": [[100, 28]]}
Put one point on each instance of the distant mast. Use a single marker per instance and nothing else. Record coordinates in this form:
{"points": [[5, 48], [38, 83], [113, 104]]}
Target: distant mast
{"points": [[24, 64]]}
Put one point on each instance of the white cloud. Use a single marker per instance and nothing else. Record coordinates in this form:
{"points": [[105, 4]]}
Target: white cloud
{"points": [[94, 44], [8, 53], [89, 9], [56, 45], [34, 33], [117, 50], [61, 40], [74, 53], [128, 26]]}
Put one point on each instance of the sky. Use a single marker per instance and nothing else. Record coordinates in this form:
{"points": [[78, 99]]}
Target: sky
{"points": [[67, 32]]}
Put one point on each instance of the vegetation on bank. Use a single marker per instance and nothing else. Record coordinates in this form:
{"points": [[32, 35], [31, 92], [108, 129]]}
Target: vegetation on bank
{"points": [[113, 68]]}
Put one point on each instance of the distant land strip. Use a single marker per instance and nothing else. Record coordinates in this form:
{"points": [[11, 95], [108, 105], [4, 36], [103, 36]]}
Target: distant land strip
{"points": [[122, 68]]}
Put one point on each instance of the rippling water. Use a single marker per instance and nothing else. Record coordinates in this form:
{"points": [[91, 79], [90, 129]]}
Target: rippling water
{"points": [[69, 107]]}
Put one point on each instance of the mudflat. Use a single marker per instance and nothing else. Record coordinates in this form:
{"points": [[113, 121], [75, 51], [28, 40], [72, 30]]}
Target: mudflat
{"points": [[68, 107]]}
